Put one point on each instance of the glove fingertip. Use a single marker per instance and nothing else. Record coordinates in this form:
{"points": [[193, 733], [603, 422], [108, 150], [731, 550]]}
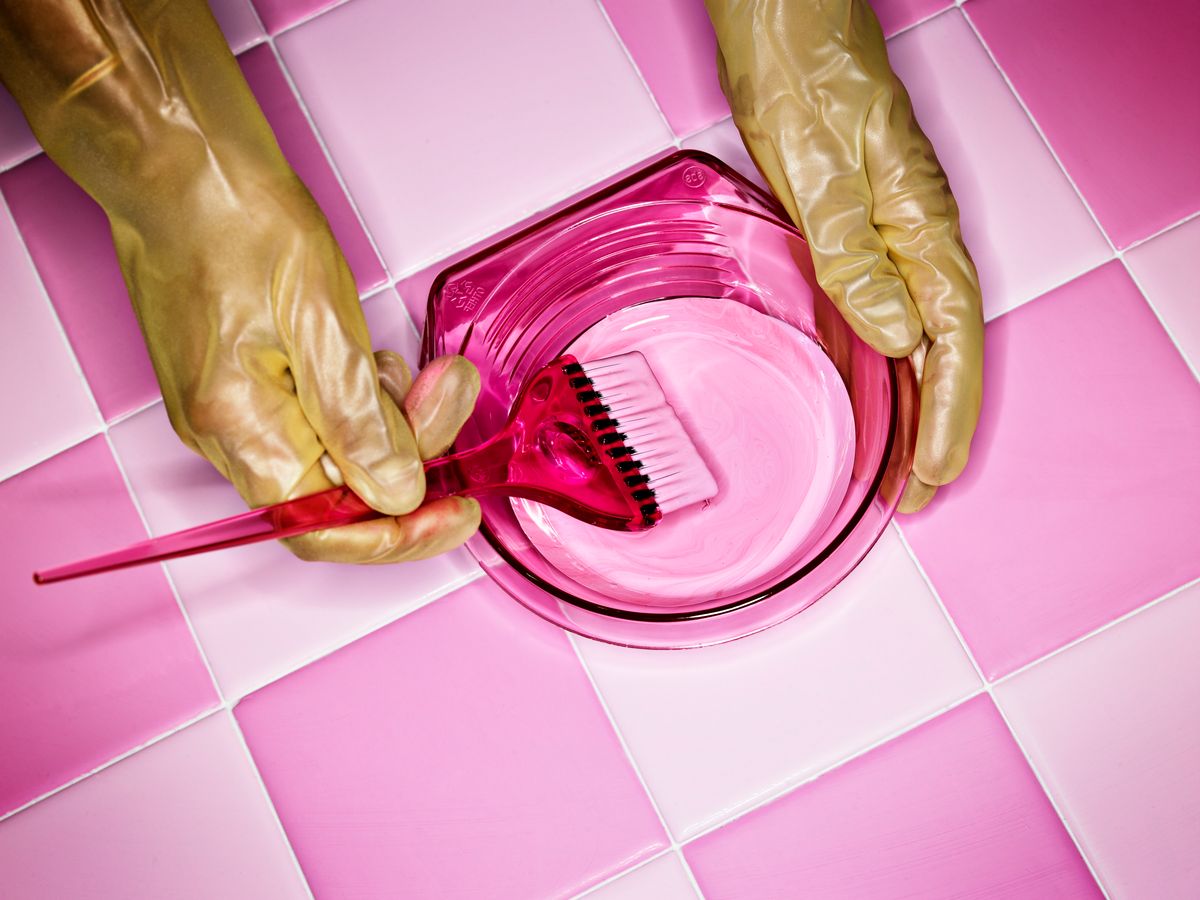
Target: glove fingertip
{"points": [[394, 486], [916, 497]]}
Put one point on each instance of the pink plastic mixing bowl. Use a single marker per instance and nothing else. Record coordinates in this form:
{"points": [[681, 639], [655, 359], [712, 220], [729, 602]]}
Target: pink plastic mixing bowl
{"points": [[685, 227]]}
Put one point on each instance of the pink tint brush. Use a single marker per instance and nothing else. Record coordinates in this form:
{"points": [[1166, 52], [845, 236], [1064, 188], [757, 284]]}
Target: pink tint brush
{"points": [[601, 443]]}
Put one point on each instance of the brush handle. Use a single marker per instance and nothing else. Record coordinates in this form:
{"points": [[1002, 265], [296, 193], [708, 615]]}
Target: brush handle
{"points": [[485, 469]]}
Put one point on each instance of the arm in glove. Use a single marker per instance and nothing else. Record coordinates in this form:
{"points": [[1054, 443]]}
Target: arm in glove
{"points": [[832, 129], [249, 310]]}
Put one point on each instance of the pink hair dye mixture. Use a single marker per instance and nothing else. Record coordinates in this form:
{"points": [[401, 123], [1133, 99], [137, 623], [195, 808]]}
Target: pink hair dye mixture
{"points": [[772, 420]]}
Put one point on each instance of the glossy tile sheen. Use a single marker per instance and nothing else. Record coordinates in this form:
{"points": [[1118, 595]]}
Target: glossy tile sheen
{"points": [[89, 669], [509, 119], [1025, 226], [300, 146], [1080, 500], [258, 611], [280, 14], [468, 756], [186, 818], [44, 403], [948, 810], [71, 244], [895, 15], [1111, 85], [673, 45], [1112, 727], [663, 879], [238, 22], [718, 729], [16, 140], [1163, 268]]}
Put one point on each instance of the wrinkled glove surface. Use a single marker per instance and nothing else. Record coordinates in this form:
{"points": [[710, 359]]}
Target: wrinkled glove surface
{"points": [[248, 308], [832, 129]]}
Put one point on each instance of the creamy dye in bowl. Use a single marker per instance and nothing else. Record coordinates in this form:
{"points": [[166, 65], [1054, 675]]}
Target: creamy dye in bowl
{"points": [[771, 419]]}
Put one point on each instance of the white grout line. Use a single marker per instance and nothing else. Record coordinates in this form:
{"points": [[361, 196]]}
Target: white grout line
{"points": [[425, 600], [133, 498], [237, 727], [24, 157], [675, 845], [112, 762], [1119, 254], [1097, 631], [337, 174], [666, 851], [316, 14], [1145, 240], [62, 332], [637, 771], [791, 786], [1193, 365], [988, 689], [638, 72], [927, 18]]}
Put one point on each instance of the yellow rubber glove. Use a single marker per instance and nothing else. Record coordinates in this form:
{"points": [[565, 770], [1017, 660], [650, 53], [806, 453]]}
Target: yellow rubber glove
{"points": [[249, 310], [832, 129]]}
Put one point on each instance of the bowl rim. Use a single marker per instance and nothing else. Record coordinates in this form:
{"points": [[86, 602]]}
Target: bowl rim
{"points": [[770, 213]]}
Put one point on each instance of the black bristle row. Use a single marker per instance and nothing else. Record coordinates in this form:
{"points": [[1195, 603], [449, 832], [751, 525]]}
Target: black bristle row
{"points": [[604, 427]]}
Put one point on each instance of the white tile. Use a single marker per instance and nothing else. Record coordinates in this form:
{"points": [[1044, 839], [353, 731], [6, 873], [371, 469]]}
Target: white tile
{"points": [[1026, 228], [44, 405], [716, 730], [451, 120]]}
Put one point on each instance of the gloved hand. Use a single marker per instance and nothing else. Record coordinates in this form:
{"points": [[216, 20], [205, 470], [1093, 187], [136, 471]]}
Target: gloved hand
{"points": [[832, 129], [249, 310]]}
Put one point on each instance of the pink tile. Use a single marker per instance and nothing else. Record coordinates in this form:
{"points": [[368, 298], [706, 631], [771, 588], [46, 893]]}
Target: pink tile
{"points": [[662, 879], [468, 756], [948, 810], [185, 818], [69, 238], [280, 14], [1109, 84], [1111, 727], [238, 22], [16, 140], [1080, 501], [1165, 270], [897, 14], [89, 668], [45, 405], [522, 117], [673, 45], [300, 146], [258, 611], [1023, 223], [716, 730]]}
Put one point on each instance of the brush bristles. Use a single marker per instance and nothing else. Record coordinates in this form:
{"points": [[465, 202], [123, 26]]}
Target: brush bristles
{"points": [[662, 450]]}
